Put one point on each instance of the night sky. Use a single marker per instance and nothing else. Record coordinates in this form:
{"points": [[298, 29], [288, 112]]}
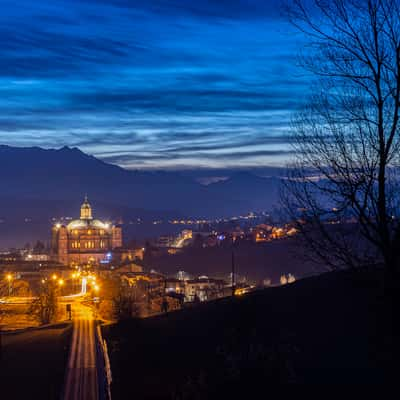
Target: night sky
{"points": [[152, 83]]}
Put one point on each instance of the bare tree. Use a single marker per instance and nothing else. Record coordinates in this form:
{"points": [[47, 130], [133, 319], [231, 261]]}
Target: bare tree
{"points": [[45, 305], [125, 300], [346, 139]]}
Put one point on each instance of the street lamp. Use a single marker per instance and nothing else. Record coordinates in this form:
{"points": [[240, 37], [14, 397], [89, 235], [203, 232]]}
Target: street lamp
{"points": [[75, 277], [60, 284], [9, 278], [96, 300]]}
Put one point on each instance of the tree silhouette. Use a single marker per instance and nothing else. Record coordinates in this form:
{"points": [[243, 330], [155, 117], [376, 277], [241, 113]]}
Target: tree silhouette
{"points": [[346, 138], [44, 307]]}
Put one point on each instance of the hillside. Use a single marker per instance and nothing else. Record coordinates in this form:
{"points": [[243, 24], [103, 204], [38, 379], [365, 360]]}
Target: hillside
{"points": [[323, 329]]}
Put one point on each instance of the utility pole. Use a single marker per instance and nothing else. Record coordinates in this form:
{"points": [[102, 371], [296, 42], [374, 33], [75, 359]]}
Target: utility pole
{"points": [[233, 270]]}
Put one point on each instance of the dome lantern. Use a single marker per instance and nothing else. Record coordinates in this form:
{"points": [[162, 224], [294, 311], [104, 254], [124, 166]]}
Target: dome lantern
{"points": [[86, 210]]}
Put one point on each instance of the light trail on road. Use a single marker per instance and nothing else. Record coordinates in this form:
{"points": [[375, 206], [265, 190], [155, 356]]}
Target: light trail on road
{"points": [[81, 377], [28, 300], [80, 294]]}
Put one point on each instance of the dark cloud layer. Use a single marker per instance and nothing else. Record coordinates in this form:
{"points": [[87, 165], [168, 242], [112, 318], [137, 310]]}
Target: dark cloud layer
{"points": [[150, 84]]}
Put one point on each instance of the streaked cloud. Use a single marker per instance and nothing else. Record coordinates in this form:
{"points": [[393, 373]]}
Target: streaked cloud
{"points": [[155, 84]]}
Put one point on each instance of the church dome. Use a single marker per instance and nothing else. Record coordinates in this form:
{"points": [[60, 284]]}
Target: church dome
{"points": [[77, 224], [87, 223], [86, 220]]}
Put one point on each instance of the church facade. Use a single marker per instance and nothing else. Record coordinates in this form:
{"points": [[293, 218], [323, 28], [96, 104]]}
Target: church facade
{"points": [[85, 240]]}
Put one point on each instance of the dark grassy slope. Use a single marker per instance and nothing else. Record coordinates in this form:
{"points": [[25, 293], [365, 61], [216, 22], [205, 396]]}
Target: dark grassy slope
{"points": [[321, 329], [33, 363]]}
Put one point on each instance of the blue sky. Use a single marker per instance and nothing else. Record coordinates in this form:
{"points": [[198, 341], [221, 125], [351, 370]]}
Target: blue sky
{"points": [[152, 83]]}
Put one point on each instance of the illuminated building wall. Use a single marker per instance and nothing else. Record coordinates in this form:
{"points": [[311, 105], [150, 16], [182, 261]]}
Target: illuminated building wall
{"points": [[85, 240]]}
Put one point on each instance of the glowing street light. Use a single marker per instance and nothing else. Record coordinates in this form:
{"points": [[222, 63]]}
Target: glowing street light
{"points": [[61, 282], [9, 278], [54, 277]]}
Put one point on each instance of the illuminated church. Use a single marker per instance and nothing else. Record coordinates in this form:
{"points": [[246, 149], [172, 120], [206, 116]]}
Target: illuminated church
{"points": [[85, 240]]}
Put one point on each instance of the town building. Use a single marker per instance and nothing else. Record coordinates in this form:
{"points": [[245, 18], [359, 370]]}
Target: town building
{"points": [[37, 257], [124, 255], [173, 285], [183, 276], [186, 234], [129, 267], [85, 240], [261, 233], [165, 241], [204, 288]]}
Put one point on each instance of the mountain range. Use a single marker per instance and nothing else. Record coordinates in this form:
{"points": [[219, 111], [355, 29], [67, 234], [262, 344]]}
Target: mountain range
{"points": [[39, 184]]}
